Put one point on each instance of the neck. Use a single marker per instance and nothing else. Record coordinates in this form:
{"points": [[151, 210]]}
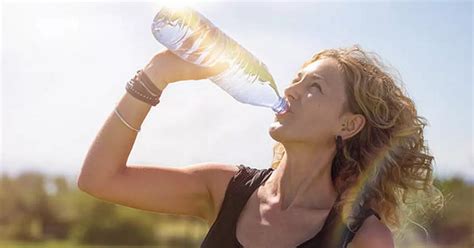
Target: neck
{"points": [[303, 179]]}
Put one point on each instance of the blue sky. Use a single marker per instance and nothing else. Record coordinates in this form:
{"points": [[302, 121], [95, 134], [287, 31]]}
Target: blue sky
{"points": [[65, 66]]}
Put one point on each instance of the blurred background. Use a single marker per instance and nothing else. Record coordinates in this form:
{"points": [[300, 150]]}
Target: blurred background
{"points": [[65, 66]]}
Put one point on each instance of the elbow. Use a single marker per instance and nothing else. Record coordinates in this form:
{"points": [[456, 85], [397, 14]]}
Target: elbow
{"points": [[86, 182], [82, 183], [89, 186], [92, 180]]}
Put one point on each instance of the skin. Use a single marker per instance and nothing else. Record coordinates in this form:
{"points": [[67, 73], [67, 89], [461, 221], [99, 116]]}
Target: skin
{"points": [[308, 131], [298, 195]]}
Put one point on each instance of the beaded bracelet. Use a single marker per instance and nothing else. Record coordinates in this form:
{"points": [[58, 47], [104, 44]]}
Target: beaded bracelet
{"points": [[143, 89]]}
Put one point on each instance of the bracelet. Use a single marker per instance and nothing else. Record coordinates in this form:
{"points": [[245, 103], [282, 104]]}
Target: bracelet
{"points": [[142, 88], [125, 122]]}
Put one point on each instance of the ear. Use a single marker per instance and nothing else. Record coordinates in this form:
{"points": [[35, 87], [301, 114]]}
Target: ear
{"points": [[351, 125]]}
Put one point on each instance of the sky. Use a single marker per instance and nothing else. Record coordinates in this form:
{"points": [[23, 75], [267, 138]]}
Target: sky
{"points": [[65, 66]]}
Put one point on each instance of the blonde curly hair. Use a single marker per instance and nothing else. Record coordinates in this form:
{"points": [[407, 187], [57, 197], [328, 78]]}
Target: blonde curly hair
{"points": [[386, 166]]}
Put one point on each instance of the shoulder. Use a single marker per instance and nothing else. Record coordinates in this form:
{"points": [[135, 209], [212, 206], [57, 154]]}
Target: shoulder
{"points": [[372, 234], [217, 176]]}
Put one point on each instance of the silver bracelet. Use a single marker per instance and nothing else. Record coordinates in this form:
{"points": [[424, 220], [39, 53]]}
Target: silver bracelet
{"points": [[125, 122]]}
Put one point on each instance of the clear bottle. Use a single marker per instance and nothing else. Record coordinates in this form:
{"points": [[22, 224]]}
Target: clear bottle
{"points": [[192, 37]]}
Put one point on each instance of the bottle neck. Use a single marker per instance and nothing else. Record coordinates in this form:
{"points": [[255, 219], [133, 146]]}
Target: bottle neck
{"points": [[281, 106]]}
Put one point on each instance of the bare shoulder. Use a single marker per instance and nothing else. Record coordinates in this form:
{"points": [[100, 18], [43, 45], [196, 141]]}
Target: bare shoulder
{"points": [[373, 233], [216, 176]]}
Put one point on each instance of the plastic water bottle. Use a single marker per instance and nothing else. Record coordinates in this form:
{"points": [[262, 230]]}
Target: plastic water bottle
{"points": [[192, 37]]}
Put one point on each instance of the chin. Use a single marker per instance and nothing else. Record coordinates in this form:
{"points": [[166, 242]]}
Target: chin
{"points": [[277, 131]]}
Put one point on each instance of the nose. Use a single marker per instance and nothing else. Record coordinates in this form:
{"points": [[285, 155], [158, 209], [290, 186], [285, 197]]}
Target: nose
{"points": [[291, 92]]}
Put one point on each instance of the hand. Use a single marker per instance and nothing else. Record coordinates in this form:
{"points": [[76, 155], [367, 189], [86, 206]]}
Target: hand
{"points": [[166, 67]]}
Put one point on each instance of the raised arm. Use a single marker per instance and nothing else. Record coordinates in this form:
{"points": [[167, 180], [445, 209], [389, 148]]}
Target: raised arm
{"points": [[189, 190]]}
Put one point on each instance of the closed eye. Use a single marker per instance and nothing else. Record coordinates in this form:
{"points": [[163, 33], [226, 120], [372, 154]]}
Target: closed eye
{"points": [[312, 85], [317, 85]]}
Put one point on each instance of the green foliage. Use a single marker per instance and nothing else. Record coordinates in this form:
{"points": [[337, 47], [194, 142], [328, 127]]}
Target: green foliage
{"points": [[25, 212], [52, 212], [106, 224], [37, 208], [455, 224]]}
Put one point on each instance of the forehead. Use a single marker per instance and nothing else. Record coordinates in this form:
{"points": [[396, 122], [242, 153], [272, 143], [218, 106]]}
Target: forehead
{"points": [[326, 68], [330, 77]]}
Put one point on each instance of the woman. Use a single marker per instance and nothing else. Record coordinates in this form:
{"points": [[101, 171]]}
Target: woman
{"points": [[350, 151]]}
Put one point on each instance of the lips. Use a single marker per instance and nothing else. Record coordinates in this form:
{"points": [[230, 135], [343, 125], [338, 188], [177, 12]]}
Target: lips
{"points": [[283, 114], [286, 112]]}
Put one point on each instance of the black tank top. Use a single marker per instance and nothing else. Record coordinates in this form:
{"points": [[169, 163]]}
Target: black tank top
{"points": [[222, 234]]}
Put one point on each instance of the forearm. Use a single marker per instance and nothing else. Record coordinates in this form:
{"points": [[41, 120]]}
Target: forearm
{"points": [[109, 152]]}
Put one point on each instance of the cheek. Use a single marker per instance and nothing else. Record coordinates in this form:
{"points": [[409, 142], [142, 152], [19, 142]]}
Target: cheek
{"points": [[318, 111], [321, 115]]}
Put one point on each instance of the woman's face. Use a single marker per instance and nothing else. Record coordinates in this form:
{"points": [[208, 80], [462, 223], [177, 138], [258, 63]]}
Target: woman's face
{"points": [[316, 99]]}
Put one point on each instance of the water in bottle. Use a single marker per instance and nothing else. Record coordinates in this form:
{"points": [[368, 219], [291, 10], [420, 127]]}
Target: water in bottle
{"points": [[192, 37]]}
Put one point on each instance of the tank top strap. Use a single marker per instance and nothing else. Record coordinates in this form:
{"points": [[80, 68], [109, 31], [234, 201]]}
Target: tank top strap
{"points": [[364, 214], [349, 233], [239, 189], [246, 181]]}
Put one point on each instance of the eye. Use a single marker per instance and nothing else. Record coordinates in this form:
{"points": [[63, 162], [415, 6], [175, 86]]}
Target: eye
{"points": [[317, 85]]}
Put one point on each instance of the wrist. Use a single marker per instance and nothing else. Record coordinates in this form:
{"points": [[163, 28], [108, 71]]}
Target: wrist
{"points": [[160, 84], [142, 88], [155, 77]]}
